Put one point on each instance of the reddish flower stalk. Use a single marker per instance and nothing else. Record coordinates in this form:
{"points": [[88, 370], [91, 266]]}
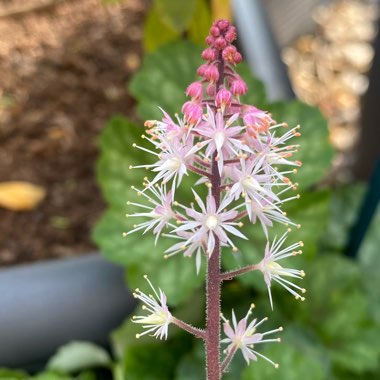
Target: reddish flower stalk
{"points": [[238, 152]]}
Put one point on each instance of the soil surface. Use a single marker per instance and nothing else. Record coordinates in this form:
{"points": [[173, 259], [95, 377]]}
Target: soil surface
{"points": [[64, 67]]}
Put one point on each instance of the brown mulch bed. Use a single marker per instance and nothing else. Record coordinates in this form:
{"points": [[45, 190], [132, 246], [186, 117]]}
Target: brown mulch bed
{"points": [[64, 73]]}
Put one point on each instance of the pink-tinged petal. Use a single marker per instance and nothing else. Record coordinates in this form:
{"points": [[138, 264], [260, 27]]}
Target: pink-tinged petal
{"points": [[242, 325], [233, 118], [246, 354], [187, 226], [234, 319], [175, 247], [253, 339], [233, 131], [210, 243], [194, 214], [219, 139], [229, 215], [236, 190], [267, 250], [250, 355], [228, 330], [235, 231], [199, 202], [211, 206], [198, 261], [220, 162]]}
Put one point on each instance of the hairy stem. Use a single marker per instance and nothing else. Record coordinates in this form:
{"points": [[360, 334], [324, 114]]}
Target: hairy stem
{"points": [[198, 333], [232, 274], [213, 276], [213, 294], [227, 359]]}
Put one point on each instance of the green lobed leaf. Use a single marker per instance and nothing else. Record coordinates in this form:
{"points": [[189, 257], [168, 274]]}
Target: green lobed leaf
{"points": [[342, 217], [176, 14], [192, 365], [163, 79], [336, 308], [107, 234], [155, 361], [78, 355], [297, 361], [156, 32], [315, 152]]}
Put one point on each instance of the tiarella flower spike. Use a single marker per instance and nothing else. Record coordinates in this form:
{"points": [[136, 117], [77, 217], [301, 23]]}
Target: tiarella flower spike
{"points": [[243, 158]]}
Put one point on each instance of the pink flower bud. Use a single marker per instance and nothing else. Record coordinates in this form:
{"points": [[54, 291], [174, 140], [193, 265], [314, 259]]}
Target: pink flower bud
{"points": [[211, 73], [228, 53], [237, 57], [214, 31], [211, 90], [201, 70], [238, 87], [223, 98], [210, 40], [223, 25], [256, 120], [220, 43], [192, 112], [231, 34], [195, 90], [209, 54]]}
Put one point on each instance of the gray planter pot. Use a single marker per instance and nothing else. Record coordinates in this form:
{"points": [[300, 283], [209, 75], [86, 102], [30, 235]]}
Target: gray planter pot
{"points": [[45, 305]]}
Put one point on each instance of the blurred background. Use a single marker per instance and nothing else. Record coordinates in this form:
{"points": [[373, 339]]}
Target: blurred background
{"points": [[65, 71], [77, 75]]}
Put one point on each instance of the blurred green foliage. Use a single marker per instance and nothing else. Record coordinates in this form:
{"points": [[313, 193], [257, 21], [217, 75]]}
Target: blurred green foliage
{"points": [[169, 20]]}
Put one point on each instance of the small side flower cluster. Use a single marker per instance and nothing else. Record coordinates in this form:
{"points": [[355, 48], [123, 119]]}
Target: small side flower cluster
{"points": [[244, 158], [159, 317], [243, 336]]}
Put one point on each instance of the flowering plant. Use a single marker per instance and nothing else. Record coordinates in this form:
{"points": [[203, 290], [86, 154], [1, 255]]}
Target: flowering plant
{"points": [[239, 153]]}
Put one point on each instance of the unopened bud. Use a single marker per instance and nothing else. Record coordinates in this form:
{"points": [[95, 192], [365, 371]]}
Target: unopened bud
{"points": [[223, 98], [192, 112], [223, 24], [238, 87], [220, 43], [214, 31], [231, 34], [201, 70], [211, 73], [210, 40], [237, 57], [209, 54], [211, 90], [195, 90], [228, 53]]}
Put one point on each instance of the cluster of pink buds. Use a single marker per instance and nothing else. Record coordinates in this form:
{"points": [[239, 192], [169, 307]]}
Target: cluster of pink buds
{"points": [[244, 159]]}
